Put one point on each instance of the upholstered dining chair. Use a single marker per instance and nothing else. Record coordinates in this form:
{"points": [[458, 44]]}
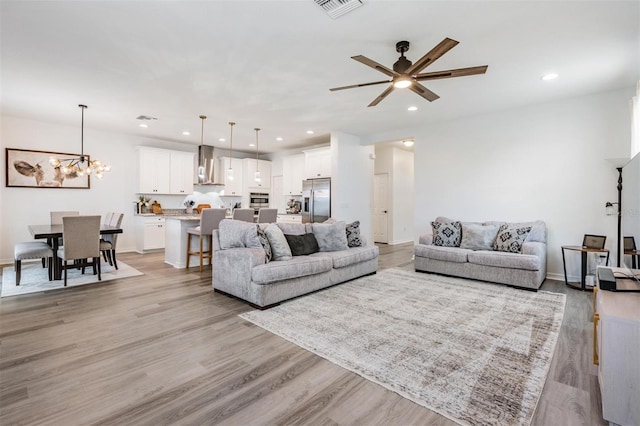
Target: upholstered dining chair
{"points": [[267, 215], [81, 242], [108, 242], [243, 214], [209, 220], [32, 250], [56, 217]]}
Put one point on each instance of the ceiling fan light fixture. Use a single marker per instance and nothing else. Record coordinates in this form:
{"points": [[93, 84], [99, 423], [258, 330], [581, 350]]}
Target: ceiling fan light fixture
{"points": [[402, 83]]}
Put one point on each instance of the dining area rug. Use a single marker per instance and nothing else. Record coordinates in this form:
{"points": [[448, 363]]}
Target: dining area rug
{"points": [[476, 353], [35, 278]]}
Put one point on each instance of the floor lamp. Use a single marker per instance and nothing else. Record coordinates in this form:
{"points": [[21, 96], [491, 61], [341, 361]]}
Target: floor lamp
{"points": [[619, 203]]}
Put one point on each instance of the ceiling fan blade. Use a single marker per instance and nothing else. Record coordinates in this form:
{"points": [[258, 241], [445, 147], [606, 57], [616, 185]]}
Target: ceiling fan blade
{"points": [[423, 91], [382, 95], [375, 65], [443, 47], [459, 72], [359, 85]]}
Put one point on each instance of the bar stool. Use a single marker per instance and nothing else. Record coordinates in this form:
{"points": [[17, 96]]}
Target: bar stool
{"points": [[32, 250], [209, 220], [245, 215], [267, 215]]}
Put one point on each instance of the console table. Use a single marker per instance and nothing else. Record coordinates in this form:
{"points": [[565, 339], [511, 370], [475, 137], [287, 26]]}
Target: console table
{"points": [[616, 350], [583, 265]]}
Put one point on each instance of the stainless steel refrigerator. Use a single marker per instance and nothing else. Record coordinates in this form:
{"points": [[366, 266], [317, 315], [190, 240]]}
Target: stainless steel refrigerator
{"points": [[316, 200]]}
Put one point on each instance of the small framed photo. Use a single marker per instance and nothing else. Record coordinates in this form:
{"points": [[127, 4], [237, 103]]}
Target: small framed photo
{"points": [[32, 169]]}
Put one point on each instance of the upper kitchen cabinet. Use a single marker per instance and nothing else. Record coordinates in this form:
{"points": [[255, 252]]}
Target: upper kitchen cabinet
{"points": [[181, 173], [317, 163], [292, 174], [164, 171], [250, 165], [154, 166], [231, 186]]}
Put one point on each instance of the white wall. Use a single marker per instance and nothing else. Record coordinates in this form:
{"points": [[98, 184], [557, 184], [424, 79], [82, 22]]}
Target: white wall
{"points": [[546, 161], [21, 207], [352, 181]]}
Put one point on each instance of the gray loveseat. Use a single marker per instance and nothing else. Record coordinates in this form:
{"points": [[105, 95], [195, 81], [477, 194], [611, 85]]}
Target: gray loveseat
{"points": [[526, 268], [244, 272]]}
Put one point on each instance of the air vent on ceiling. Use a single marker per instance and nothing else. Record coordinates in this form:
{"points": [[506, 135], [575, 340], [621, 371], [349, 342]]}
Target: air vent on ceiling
{"points": [[145, 117], [337, 8]]}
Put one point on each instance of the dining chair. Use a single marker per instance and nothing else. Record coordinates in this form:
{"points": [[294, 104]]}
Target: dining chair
{"points": [[209, 220], [267, 215], [81, 242], [56, 217], [108, 242], [245, 215], [31, 250]]}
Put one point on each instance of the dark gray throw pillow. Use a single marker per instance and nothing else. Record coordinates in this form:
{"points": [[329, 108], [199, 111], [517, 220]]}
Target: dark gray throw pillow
{"points": [[302, 244]]}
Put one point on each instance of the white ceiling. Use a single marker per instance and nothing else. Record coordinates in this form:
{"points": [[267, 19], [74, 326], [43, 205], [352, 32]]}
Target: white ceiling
{"points": [[270, 64]]}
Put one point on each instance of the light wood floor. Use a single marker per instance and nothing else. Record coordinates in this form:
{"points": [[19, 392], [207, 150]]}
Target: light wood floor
{"points": [[163, 348]]}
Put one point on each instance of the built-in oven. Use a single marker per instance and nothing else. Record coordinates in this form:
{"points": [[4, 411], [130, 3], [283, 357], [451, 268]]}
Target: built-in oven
{"points": [[258, 200]]}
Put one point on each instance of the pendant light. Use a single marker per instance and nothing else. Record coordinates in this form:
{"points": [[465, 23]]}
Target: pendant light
{"points": [[201, 166], [257, 175], [79, 166], [230, 170]]}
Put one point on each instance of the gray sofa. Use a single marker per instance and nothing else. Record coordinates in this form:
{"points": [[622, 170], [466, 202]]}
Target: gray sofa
{"points": [[525, 269], [243, 272]]}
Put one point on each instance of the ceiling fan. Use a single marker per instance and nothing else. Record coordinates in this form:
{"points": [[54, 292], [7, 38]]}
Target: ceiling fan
{"points": [[405, 74]]}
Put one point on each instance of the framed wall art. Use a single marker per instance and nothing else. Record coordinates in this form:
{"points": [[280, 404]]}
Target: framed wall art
{"points": [[32, 169]]}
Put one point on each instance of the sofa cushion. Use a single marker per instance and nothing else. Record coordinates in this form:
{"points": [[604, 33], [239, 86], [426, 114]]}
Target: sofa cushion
{"points": [[279, 246], [293, 228], [237, 234], [300, 266], [301, 245], [447, 254], [502, 259], [351, 256], [446, 234], [331, 236], [478, 237], [353, 234], [262, 237], [510, 238]]}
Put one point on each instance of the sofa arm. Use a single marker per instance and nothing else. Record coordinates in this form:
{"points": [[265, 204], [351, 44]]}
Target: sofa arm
{"points": [[535, 248], [232, 269], [426, 239]]}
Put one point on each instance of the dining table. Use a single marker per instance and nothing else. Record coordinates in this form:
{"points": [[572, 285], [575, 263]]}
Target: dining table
{"points": [[53, 233]]}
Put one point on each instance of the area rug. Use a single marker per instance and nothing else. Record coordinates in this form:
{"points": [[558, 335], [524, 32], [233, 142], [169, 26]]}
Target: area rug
{"points": [[477, 353], [35, 278]]}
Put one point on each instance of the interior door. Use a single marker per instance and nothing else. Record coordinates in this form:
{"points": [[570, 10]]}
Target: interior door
{"points": [[380, 208]]}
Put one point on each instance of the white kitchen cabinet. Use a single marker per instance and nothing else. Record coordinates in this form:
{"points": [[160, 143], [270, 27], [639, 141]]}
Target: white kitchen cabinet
{"points": [[616, 321], [234, 186], [149, 233], [249, 165], [181, 173], [289, 218], [317, 163], [292, 174], [154, 167]]}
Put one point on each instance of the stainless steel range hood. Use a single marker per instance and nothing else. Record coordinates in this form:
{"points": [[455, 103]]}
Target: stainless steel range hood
{"points": [[207, 165]]}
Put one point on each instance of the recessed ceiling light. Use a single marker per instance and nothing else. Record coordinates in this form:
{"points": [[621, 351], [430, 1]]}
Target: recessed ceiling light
{"points": [[412, 108], [309, 132], [252, 144], [408, 143], [143, 125], [279, 139], [221, 140], [186, 133], [550, 76]]}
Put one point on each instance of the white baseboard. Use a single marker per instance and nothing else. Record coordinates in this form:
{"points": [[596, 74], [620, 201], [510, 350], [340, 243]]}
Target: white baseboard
{"points": [[394, 243]]}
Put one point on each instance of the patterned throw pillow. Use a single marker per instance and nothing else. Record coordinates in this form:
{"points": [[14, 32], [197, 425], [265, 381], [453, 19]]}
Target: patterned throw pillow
{"points": [[264, 241], [353, 234], [446, 234], [510, 238]]}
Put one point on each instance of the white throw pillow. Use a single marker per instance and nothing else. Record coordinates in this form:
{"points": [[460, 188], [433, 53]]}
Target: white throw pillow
{"points": [[331, 236], [280, 249], [478, 237]]}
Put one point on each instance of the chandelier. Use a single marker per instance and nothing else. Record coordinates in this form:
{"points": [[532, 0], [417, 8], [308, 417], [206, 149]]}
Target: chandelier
{"points": [[257, 174], [201, 166], [80, 166]]}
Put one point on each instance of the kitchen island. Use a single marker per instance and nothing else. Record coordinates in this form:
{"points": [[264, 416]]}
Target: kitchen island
{"points": [[175, 251]]}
